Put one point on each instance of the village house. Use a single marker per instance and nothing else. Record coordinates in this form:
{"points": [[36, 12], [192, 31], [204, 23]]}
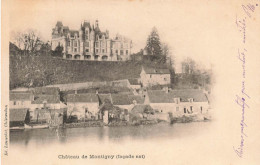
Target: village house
{"points": [[122, 101], [18, 117], [153, 76], [44, 98], [18, 100], [178, 102], [53, 117], [84, 106], [44, 102], [90, 43]]}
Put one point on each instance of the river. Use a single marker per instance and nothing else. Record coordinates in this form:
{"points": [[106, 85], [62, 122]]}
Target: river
{"points": [[162, 131]]}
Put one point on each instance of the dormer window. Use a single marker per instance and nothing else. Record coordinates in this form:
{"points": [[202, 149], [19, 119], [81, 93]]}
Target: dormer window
{"points": [[190, 100], [177, 100]]}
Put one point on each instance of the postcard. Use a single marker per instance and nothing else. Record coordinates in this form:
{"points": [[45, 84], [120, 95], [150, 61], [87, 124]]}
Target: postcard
{"points": [[130, 82]]}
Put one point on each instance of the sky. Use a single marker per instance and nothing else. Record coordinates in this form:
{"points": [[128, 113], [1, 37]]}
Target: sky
{"points": [[188, 28]]}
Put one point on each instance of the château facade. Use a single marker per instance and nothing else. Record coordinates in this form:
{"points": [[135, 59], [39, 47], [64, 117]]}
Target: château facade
{"points": [[90, 43]]}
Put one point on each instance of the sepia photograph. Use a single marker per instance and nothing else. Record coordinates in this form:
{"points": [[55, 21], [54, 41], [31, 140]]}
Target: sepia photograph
{"points": [[130, 82]]}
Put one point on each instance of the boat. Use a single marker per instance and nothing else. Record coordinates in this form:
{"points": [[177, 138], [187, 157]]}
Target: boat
{"points": [[36, 126]]}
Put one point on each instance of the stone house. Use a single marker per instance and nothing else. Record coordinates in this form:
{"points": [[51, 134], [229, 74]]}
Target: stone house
{"points": [[153, 76], [18, 100], [19, 117], [178, 102], [122, 101], [84, 106], [45, 98]]}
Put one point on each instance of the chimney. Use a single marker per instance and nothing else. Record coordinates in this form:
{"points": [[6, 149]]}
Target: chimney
{"points": [[166, 89]]}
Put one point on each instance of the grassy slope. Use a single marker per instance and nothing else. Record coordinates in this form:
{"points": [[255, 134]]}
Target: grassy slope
{"points": [[46, 70]]}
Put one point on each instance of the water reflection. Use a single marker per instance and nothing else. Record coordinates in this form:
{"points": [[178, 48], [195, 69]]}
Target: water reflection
{"points": [[115, 134]]}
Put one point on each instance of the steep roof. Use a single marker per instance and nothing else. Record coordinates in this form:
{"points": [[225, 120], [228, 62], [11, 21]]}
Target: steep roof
{"points": [[73, 33], [50, 99], [103, 97], [160, 96], [46, 90], [83, 98], [156, 71], [120, 99], [86, 24], [141, 108], [139, 99], [17, 114], [19, 96]]}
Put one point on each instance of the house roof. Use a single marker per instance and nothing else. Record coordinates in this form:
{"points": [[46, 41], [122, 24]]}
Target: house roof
{"points": [[86, 24], [83, 98], [160, 96], [156, 71], [141, 108], [139, 99], [50, 99], [17, 114], [103, 97], [73, 33], [133, 81], [120, 99], [46, 91], [19, 96]]}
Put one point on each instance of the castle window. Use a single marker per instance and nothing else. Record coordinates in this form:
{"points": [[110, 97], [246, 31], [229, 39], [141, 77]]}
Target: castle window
{"points": [[87, 35], [97, 45], [96, 50], [121, 52], [75, 44], [14, 102], [122, 46], [69, 43], [126, 52], [116, 51], [103, 50], [75, 49], [86, 44], [87, 57], [87, 50], [96, 57]]}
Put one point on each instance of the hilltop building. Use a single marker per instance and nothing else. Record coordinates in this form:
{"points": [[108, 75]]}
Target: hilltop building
{"points": [[90, 43], [152, 76]]}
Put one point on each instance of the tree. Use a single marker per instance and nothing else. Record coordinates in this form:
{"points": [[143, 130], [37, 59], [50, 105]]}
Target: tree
{"points": [[188, 66], [28, 41], [153, 44], [167, 53]]}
